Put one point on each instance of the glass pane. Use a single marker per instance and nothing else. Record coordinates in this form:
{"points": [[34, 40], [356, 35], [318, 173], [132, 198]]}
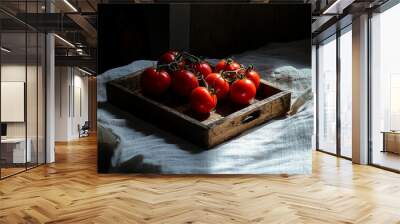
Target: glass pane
{"points": [[327, 96], [13, 86], [385, 84], [346, 94], [31, 97], [41, 98]]}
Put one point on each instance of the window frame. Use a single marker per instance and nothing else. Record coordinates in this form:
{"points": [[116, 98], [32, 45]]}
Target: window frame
{"points": [[380, 9], [336, 35]]}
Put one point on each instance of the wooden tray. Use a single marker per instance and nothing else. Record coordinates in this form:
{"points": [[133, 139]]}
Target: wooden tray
{"points": [[174, 114]]}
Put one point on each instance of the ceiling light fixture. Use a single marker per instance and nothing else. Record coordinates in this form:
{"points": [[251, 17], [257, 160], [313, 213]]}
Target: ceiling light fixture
{"points": [[70, 5], [5, 50], [326, 11], [80, 51], [337, 7], [64, 40], [84, 71]]}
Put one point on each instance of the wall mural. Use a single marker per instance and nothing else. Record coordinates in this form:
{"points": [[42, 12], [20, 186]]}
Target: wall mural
{"points": [[204, 89]]}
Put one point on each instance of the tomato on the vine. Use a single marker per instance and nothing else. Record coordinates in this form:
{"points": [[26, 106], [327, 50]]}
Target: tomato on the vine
{"points": [[227, 65], [253, 75], [202, 67], [184, 82], [155, 82], [242, 91], [216, 82], [168, 57], [202, 101]]}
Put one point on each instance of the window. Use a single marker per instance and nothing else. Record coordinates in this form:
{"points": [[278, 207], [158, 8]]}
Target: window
{"points": [[385, 89], [346, 93], [334, 106], [327, 96]]}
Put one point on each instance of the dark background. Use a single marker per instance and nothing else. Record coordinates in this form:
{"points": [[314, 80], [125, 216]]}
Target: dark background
{"points": [[142, 31]]}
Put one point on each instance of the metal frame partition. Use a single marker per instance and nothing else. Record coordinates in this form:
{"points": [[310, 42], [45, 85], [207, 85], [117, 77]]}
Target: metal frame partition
{"points": [[40, 117], [339, 32], [369, 125]]}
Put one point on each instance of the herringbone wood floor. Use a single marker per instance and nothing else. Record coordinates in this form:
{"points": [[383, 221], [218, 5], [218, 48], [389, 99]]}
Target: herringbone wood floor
{"points": [[70, 191]]}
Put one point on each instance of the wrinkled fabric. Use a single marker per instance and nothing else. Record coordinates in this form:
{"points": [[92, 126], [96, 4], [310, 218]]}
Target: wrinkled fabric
{"points": [[281, 145]]}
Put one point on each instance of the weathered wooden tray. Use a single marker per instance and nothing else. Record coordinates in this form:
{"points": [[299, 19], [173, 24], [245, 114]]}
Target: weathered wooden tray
{"points": [[174, 114]]}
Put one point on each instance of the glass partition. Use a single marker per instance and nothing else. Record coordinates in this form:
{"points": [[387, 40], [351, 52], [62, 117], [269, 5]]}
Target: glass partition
{"points": [[334, 94], [32, 86], [41, 88], [22, 107], [385, 89], [14, 153], [327, 96], [31, 97], [346, 93]]}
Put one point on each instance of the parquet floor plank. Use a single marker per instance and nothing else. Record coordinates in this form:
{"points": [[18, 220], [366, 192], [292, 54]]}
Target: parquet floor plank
{"points": [[71, 191]]}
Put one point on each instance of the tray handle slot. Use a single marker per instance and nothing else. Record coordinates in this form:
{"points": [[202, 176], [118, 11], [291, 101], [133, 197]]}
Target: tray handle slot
{"points": [[251, 117]]}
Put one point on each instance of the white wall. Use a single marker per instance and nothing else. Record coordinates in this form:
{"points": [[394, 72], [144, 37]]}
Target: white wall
{"points": [[71, 102], [79, 103], [61, 103], [12, 73], [33, 126]]}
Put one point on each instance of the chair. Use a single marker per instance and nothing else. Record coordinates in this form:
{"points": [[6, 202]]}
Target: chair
{"points": [[84, 130]]}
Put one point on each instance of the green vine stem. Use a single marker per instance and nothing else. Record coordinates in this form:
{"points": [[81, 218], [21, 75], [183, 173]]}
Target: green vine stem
{"points": [[250, 67], [229, 61], [190, 57], [159, 67], [202, 80], [227, 75]]}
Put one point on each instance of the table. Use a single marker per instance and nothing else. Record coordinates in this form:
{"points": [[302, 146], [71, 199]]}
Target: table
{"points": [[13, 150], [391, 141]]}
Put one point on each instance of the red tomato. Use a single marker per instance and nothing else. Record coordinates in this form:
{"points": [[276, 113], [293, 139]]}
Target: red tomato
{"points": [[227, 65], [184, 82], [202, 67], [219, 84], [155, 82], [242, 91], [202, 101], [253, 76], [168, 57]]}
